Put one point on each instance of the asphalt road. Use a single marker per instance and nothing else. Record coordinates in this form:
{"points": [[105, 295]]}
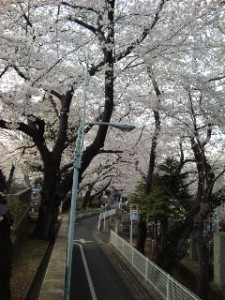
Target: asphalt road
{"points": [[94, 277]]}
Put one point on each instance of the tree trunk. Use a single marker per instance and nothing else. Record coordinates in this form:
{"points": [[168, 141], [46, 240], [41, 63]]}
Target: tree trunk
{"points": [[50, 201], [87, 198], [3, 184], [170, 252], [202, 253], [204, 198], [141, 235], [10, 179], [152, 159]]}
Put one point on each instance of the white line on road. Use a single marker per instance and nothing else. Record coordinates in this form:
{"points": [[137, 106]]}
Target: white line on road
{"points": [[82, 241], [91, 286]]}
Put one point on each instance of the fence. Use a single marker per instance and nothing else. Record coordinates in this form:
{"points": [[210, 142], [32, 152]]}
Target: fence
{"points": [[167, 287], [104, 215]]}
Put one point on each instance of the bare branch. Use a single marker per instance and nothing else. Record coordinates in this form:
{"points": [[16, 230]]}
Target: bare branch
{"points": [[154, 82], [217, 78], [54, 106], [209, 134], [20, 73], [85, 25], [26, 17], [66, 167], [80, 7], [140, 136], [101, 151], [143, 35], [47, 71], [4, 71], [56, 94]]}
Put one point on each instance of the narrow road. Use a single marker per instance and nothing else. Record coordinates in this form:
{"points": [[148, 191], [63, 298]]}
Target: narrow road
{"points": [[94, 277]]}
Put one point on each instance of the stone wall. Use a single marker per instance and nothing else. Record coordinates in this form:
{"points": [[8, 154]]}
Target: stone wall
{"points": [[22, 226], [23, 195], [219, 259]]}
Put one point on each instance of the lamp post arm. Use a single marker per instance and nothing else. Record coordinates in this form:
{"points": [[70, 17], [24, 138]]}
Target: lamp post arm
{"points": [[120, 125]]}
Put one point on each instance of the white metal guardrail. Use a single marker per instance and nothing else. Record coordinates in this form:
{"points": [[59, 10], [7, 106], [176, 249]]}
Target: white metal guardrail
{"points": [[162, 282], [104, 215]]}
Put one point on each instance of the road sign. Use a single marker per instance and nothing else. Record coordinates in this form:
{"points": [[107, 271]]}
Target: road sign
{"points": [[134, 215]]}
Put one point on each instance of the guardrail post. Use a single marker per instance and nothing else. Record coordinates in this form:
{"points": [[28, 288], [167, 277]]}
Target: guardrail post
{"points": [[123, 247], [146, 269], [104, 217], [132, 256], [99, 222], [168, 287]]}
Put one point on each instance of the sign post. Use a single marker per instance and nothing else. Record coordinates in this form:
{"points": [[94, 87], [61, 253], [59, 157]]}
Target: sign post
{"points": [[133, 217]]}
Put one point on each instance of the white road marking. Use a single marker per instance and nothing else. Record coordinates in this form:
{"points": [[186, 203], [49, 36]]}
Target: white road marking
{"points": [[90, 282], [82, 241]]}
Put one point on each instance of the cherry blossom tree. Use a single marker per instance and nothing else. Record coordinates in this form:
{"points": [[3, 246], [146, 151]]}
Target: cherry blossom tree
{"points": [[147, 63], [41, 75]]}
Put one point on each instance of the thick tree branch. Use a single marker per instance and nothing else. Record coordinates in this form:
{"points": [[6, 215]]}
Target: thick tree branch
{"points": [[35, 130], [208, 136], [56, 94], [63, 123]]}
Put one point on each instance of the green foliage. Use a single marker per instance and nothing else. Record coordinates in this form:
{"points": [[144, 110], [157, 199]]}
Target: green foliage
{"points": [[169, 197]]}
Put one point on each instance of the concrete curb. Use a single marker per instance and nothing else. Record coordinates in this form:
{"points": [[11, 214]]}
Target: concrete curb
{"points": [[42, 265], [54, 281]]}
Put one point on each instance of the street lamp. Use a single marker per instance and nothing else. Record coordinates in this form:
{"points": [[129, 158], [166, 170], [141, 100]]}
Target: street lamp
{"points": [[120, 125], [77, 165]]}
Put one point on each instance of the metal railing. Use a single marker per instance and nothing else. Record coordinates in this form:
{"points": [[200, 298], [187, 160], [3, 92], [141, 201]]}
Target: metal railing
{"points": [[167, 287], [104, 215]]}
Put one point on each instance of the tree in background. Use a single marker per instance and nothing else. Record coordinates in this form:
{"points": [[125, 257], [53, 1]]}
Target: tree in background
{"points": [[168, 200]]}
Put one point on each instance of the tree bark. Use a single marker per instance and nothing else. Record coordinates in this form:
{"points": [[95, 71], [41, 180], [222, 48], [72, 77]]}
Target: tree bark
{"points": [[50, 201], [141, 235], [171, 252], [152, 158]]}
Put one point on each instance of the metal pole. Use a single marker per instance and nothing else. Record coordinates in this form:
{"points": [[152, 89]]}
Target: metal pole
{"points": [[104, 218], [131, 232], [72, 219]]}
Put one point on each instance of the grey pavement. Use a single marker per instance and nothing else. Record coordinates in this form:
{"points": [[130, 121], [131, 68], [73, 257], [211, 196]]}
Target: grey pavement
{"points": [[94, 276], [54, 281]]}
